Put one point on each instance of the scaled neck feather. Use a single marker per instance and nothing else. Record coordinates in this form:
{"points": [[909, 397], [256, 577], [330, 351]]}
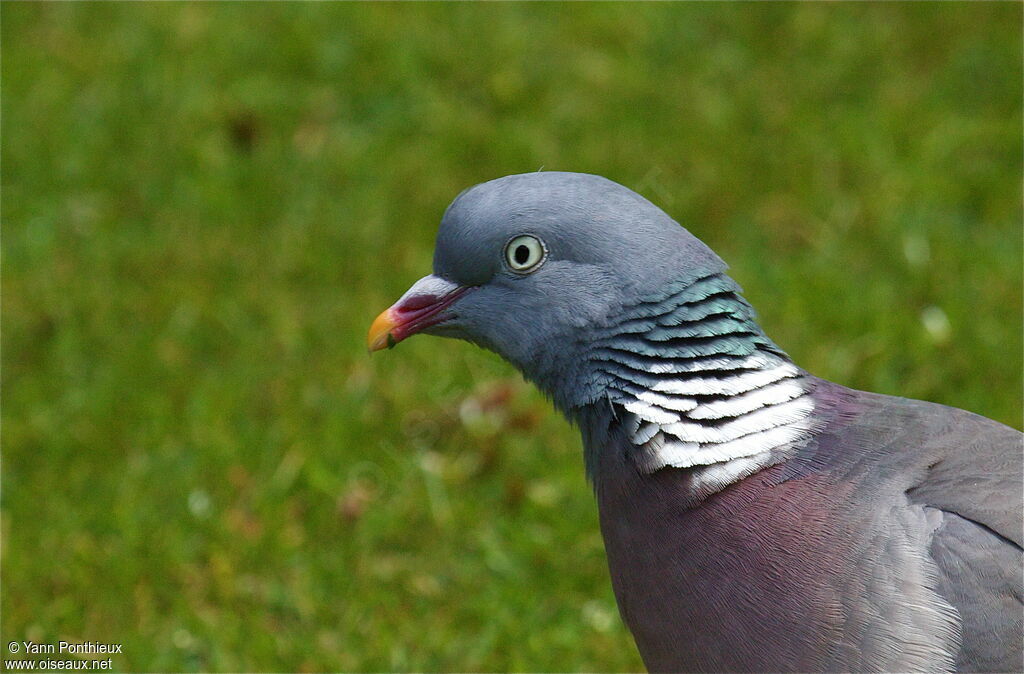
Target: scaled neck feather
{"points": [[692, 382]]}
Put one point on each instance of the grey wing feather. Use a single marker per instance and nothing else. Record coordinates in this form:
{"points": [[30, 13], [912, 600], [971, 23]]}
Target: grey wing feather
{"points": [[976, 485], [967, 473], [979, 573], [976, 471]]}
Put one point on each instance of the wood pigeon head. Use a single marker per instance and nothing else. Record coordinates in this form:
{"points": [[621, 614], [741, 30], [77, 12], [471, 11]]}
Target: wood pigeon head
{"points": [[527, 265]]}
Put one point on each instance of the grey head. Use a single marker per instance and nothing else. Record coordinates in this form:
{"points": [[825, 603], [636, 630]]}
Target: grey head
{"points": [[602, 247]]}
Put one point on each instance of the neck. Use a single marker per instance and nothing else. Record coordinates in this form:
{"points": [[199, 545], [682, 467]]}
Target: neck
{"points": [[692, 383]]}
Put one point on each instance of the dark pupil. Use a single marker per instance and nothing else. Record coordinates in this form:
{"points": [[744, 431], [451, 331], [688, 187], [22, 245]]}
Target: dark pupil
{"points": [[522, 254]]}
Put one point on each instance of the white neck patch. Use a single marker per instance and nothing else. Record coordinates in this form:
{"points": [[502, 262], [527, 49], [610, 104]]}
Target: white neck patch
{"points": [[704, 420]]}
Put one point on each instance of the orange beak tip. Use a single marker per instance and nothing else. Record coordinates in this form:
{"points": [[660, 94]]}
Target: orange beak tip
{"points": [[380, 337]]}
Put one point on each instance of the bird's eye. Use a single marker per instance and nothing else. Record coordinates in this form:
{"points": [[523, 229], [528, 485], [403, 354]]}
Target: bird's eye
{"points": [[524, 253]]}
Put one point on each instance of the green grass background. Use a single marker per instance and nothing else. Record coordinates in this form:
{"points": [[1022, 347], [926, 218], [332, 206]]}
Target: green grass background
{"points": [[204, 206]]}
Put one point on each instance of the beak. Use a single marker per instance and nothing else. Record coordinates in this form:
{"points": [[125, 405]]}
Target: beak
{"points": [[422, 306]]}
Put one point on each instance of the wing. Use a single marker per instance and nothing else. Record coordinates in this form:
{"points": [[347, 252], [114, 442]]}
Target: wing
{"points": [[975, 470], [975, 486], [967, 472]]}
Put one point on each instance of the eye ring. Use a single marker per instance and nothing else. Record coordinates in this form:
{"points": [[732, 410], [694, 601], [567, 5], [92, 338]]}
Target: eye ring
{"points": [[524, 253]]}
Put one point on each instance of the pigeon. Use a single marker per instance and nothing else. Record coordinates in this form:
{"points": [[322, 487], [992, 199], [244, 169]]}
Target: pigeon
{"points": [[755, 517]]}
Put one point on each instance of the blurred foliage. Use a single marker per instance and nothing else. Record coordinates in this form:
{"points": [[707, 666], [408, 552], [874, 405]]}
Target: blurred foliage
{"points": [[204, 206]]}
